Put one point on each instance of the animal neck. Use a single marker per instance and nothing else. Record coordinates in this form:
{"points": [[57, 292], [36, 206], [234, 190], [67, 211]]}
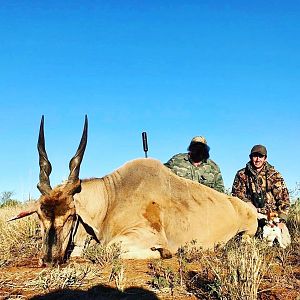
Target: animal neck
{"points": [[92, 203]]}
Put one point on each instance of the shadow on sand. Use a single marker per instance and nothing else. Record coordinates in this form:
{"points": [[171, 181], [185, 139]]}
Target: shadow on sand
{"points": [[99, 292]]}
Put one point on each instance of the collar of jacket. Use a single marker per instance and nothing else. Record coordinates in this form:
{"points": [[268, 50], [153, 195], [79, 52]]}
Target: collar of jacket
{"points": [[266, 168]]}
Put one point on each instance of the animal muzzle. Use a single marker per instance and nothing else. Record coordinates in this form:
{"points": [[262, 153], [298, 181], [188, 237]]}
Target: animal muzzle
{"points": [[51, 253], [51, 259]]}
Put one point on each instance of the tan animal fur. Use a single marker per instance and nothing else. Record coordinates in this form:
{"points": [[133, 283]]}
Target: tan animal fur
{"points": [[143, 205]]}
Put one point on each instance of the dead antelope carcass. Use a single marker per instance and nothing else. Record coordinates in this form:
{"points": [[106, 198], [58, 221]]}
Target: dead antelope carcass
{"points": [[142, 205]]}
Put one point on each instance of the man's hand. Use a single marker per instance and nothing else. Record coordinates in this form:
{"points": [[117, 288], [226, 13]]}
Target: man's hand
{"points": [[281, 225]]}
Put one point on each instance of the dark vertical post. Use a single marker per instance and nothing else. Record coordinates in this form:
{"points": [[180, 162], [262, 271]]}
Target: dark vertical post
{"points": [[145, 143]]}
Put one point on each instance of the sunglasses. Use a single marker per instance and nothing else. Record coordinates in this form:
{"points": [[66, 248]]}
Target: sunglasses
{"points": [[257, 155]]}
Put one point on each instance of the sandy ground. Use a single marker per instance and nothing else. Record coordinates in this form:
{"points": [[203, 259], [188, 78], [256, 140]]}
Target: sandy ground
{"points": [[16, 282]]}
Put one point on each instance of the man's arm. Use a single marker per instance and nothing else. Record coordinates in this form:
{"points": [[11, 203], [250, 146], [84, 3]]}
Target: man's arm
{"points": [[214, 170], [239, 188], [219, 183], [176, 163], [281, 196], [170, 163]]}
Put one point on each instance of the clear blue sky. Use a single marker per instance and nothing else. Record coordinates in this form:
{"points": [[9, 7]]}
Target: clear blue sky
{"points": [[227, 70]]}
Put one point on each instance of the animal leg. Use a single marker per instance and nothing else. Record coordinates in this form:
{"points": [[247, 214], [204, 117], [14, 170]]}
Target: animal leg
{"points": [[133, 249], [77, 251], [249, 232], [142, 244], [164, 253], [140, 254]]}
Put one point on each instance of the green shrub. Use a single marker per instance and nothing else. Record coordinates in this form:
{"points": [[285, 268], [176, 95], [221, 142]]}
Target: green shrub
{"points": [[6, 200], [99, 254]]}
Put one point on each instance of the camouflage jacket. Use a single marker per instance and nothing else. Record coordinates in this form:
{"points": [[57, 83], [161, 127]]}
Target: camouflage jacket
{"points": [[207, 173], [269, 183]]}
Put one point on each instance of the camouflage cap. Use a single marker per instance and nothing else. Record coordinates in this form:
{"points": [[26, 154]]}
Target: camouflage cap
{"points": [[199, 139], [259, 149]]}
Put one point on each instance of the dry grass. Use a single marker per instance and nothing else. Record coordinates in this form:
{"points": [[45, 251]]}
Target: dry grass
{"points": [[101, 255], [233, 272], [237, 271], [104, 256], [164, 278], [293, 220], [71, 276], [117, 275], [19, 239]]}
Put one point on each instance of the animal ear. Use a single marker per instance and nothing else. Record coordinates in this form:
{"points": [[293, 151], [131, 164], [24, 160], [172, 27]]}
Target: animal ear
{"points": [[32, 209]]}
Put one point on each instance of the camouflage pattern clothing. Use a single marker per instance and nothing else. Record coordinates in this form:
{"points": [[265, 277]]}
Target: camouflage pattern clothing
{"points": [[207, 173], [268, 184]]}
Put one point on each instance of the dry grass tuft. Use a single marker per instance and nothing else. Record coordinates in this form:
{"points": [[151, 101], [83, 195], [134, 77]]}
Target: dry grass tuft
{"points": [[20, 239], [71, 276], [117, 275], [163, 277], [235, 273], [101, 255], [293, 221]]}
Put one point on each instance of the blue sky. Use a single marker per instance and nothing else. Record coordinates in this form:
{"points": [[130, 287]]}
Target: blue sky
{"points": [[227, 70]]}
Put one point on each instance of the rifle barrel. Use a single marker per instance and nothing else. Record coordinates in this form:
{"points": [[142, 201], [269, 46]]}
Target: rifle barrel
{"points": [[145, 142]]}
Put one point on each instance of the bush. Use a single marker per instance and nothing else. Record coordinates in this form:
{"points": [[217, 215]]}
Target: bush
{"points": [[234, 272], [6, 200], [102, 255], [293, 221]]}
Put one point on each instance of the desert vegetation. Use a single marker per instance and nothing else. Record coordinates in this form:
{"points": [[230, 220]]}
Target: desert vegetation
{"points": [[237, 271]]}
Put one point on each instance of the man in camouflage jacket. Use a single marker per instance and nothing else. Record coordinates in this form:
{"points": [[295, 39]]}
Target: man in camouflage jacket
{"points": [[262, 185], [197, 166]]}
